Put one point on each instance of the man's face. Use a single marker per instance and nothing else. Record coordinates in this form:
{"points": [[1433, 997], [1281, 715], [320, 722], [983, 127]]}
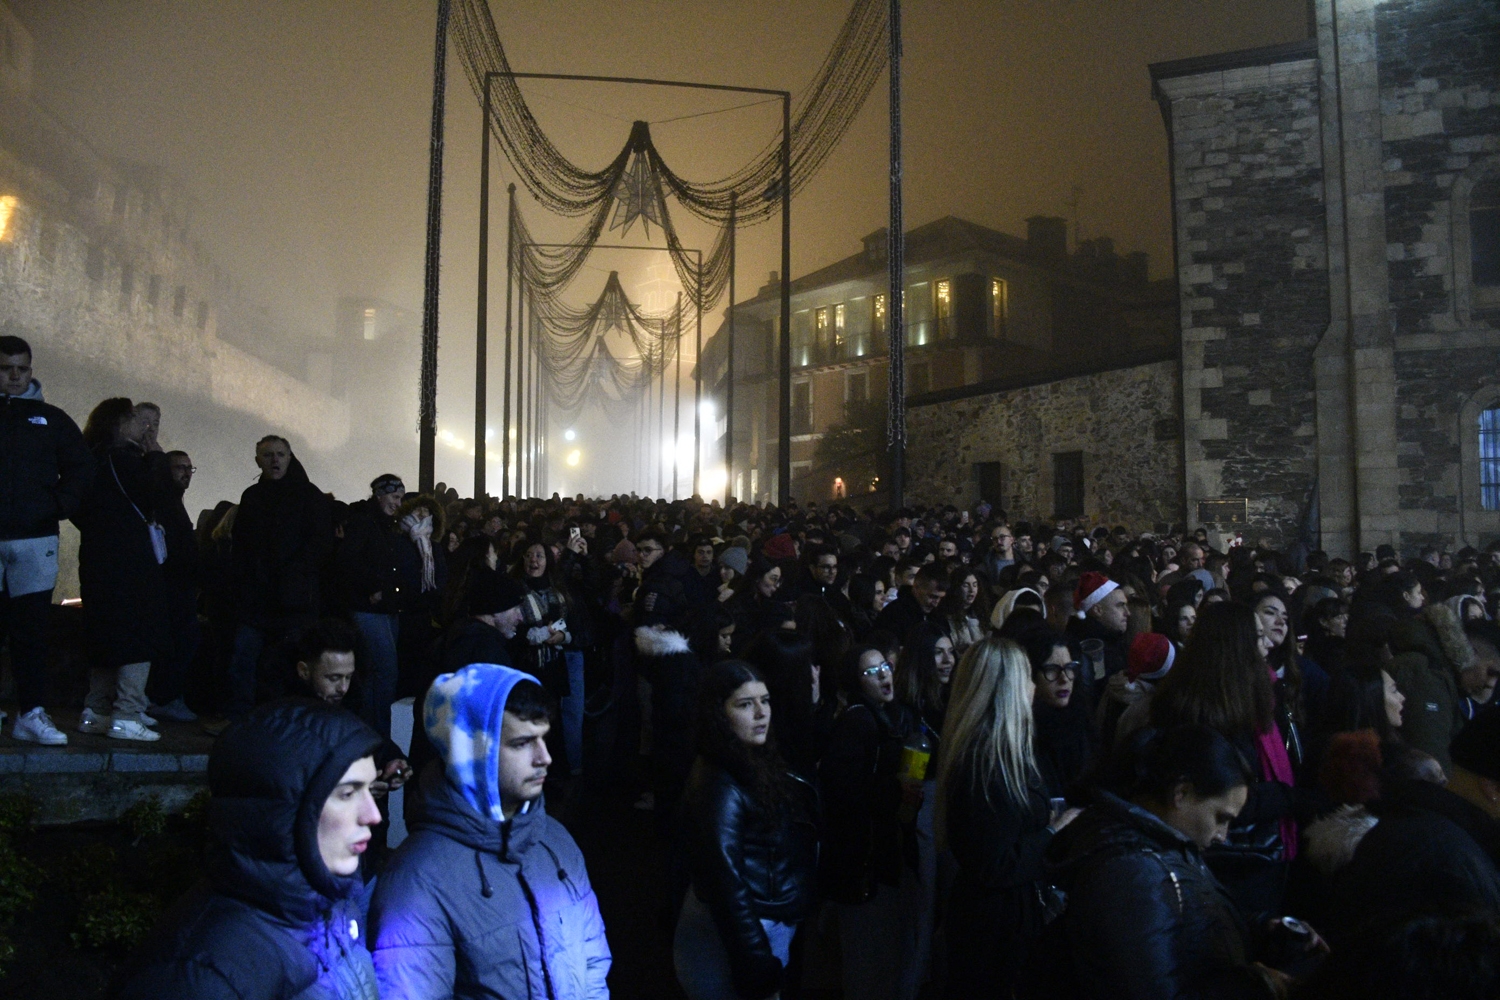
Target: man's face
{"points": [[15, 373], [1024, 544], [523, 761], [348, 813], [330, 677], [703, 559], [180, 468], [274, 458], [1004, 540], [1192, 558], [508, 622], [826, 569], [390, 502], [649, 552], [148, 423], [928, 593], [890, 550], [947, 549], [1113, 611]]}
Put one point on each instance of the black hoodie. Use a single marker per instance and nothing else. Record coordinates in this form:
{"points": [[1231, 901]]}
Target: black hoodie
{"points": [[283, 531], [270, 921]]}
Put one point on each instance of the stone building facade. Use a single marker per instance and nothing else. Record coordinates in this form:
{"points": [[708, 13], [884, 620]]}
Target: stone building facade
{"points": [[1336, 219], [1113, 435]]}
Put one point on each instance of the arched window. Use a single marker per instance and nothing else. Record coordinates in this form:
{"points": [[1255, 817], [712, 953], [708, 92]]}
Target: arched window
{"points": [[1484, 234], [1476, 239], [1489, 459]]}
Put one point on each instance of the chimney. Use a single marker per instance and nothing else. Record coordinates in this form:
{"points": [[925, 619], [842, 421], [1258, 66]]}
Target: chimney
{"points": [[1048, 235], [772, 285], [877, 244]]}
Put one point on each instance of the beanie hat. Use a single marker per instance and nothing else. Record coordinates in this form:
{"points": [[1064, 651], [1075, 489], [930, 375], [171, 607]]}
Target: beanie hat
{"points": [[1092, 588], [779, 547], [491, 593], [1477, 747], [735, 558], [1151, 656], [388, 483], [624, 554]]}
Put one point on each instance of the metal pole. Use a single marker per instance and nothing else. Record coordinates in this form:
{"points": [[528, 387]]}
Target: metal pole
{"points": [[481, 330], [896, 258], [661, 427], [677, 402], [427, 387], [698, 385], [523, 316], [510, 258], [784, 460], [729, 365]]}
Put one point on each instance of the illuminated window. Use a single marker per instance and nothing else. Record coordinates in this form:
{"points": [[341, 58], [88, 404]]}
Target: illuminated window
{"points": [[369, 324], [820, 327], [1489, 459], [838, 325], [999, 306], [7, 212], [877, 322], [942, 308]]}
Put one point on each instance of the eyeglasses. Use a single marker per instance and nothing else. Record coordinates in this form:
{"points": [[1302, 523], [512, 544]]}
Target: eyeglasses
{"points": [[876, 670], [1051, 671], [647, 550]]}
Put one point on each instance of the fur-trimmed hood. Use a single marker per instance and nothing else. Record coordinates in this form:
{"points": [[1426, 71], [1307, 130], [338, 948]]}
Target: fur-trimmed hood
{"points": [[1330, 843], [1450, 634], [428, 503], [659, 642]]}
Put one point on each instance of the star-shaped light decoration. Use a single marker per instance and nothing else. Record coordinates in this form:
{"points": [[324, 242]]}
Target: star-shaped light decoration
{"points": [[636, 196]]}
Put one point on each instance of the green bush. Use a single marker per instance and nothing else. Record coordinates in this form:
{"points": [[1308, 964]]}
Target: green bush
{"points": [[145, 819], [115, 917], [17, 811]]}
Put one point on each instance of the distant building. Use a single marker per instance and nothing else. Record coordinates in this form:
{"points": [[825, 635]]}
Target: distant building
{"points": [[1337, 208], [981, 306]]}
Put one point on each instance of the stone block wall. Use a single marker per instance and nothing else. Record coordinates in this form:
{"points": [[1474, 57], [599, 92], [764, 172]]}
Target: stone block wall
{"points": [[1252, 272], [1124, 421]]}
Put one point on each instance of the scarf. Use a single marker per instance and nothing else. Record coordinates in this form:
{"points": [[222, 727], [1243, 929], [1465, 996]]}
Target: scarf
{"points": [[418, 525], [1275, 765]]}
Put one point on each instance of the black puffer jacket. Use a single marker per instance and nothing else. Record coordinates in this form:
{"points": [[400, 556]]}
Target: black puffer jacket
{"points": [[749, 864], [862, 800], [367, 560], [45, 469], [1145, 919], [271, 921]]}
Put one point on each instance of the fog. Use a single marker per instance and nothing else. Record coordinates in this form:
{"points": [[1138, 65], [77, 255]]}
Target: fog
{"points": [[300, 128]]}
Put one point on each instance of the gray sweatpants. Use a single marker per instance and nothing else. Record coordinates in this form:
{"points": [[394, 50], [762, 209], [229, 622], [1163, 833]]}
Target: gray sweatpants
{"points": [[118, 691]]}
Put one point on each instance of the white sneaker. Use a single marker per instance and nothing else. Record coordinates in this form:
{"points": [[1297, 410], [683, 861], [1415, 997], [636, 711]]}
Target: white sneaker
{"points": [[36, 727], [147, 720], [92, 722], [128, 729]]}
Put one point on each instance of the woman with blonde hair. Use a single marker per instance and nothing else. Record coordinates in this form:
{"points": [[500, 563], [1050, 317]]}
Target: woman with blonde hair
{"points": [[994, 816]]}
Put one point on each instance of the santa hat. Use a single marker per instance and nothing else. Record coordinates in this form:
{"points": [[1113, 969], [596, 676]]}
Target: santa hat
{"points": [[1151, 656], [1092, 588]]}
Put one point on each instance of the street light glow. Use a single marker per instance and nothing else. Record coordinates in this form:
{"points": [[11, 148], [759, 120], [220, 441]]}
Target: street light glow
{"points": [[574, 457], [569, 434]]}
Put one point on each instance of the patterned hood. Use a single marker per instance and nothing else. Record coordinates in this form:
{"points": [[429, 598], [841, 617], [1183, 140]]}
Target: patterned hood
{"points": [[462, 715]]}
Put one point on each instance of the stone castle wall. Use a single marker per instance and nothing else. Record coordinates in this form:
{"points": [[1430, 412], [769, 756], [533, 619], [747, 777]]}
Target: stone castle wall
{"points": [[1124, 421]]}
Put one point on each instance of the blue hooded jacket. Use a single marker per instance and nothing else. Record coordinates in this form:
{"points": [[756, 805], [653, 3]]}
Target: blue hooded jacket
{"points": [[472, 904]]}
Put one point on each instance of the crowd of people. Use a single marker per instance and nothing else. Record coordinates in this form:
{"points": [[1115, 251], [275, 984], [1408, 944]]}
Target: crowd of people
{"points": [[911, 753]]}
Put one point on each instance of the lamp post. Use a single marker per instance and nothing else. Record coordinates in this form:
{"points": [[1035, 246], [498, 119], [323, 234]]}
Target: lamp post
{"points": [[427, 383]]}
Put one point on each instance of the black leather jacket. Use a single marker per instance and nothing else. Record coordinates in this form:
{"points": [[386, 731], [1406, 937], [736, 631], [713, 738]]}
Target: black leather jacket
{"points": [[749, 864], [1145, 917]]}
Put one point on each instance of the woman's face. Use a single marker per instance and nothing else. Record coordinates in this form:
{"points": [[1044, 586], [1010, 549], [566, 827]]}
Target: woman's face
{"points": [[879, 600], [943, 659], [1473, 610], [1204, 821], [1272, 615], [726, 638], [1055, 678], [749, 712], [1187, 617], [726, 575], [969, 590], [1336, 624], [770, 583], [1395, 701], [535, 561], [1414, 597], [876, 681]]}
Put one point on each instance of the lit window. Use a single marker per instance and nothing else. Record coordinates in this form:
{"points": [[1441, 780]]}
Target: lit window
{"points": [[369, 324], [877, 322], [7, 212], [838, 325], [999, 306], [820, 326], [942, 307], [1489, 459]]}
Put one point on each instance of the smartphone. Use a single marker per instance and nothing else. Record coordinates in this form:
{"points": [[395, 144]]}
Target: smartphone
{"points": [[573, 531]]}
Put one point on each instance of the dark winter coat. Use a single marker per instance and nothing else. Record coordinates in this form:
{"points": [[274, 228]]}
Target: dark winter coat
{"points": [[471, 908], [904, 614], [995, 911], [270, 922], [283, 532], [749, 864], [1065, 744], [1430, 650], [45, 469], [1145, 918], [366, 561], [1115, 652], [1425, 854], [862, 796], [126, 607], [666, 660]]}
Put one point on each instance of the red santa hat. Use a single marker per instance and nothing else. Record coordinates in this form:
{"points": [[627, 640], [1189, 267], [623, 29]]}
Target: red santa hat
{"points": [[1092, 588], [1151, 656]]}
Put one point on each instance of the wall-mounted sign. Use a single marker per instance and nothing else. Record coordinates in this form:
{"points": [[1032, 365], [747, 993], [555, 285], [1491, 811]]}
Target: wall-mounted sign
{"points": [[1223, 510]]}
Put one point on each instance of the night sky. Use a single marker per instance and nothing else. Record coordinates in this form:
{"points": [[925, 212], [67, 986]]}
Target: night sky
{"points": [[301, 127]]}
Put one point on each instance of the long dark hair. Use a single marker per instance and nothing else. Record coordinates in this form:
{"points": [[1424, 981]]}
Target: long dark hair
{"points": [[1222, 681], [103, 424], [917, 682], [757, 769], [785, 660], [1283, 658], [1154, 762]]}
